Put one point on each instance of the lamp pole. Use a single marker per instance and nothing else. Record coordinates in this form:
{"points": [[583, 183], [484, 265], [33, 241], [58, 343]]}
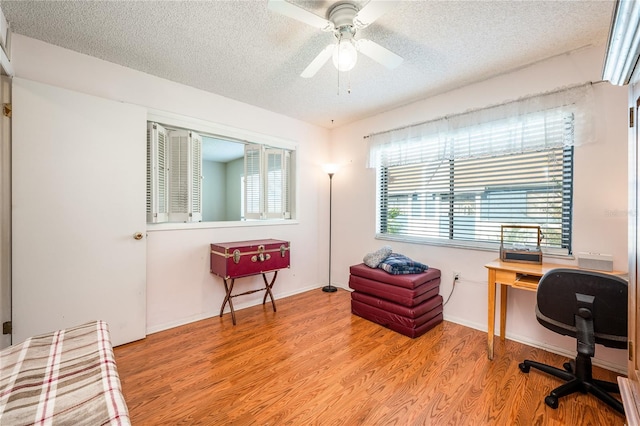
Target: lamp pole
{"points": [[329, 288]]}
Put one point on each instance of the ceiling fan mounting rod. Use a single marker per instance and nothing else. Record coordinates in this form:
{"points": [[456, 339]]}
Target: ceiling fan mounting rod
{"points": [[342, 15]]}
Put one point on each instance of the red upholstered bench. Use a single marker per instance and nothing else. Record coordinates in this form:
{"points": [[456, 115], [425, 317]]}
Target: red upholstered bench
{"points": [[408, 304]]}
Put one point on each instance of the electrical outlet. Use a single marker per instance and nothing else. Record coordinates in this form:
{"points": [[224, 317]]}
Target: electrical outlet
{"points": [[456, 275]]}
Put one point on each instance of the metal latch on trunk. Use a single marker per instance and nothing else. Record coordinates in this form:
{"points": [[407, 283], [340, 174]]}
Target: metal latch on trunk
{"points": [[261, 256]]}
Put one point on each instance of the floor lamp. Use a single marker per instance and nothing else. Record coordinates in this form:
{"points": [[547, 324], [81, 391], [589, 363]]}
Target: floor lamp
{"points": [[330, 169]]}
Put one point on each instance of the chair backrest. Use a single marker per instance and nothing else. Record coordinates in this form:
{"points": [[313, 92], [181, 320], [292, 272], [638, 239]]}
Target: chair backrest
{"points": [[558, 303]]}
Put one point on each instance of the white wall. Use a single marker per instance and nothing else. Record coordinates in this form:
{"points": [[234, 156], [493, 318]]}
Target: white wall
{"points": [[179, 286], [214, 191], [600, 194], [235, 171]]}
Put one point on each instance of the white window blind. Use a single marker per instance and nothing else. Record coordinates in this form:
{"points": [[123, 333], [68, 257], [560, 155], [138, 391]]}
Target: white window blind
{"points": [[274, 182], [267, 182], [185, 176], [461, 190], [157, 182], [286, 186], [253, 192], [196, 177]]}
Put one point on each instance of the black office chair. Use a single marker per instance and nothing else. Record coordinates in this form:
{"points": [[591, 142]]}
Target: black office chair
{"points": [[592, 307]]}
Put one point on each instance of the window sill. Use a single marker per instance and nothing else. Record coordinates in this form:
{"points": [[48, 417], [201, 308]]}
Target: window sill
{"points": [[151, 227], [466, 246]]}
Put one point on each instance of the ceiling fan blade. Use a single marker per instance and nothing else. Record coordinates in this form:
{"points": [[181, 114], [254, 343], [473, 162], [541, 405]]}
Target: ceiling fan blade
{"points": [[318, 62], [292, 11], [372, 11], [379, 53]]}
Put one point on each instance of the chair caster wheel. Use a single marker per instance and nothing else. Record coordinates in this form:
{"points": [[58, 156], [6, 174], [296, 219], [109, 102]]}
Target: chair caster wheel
{"points": [[551, 401], [567, 367], [524, 367]]}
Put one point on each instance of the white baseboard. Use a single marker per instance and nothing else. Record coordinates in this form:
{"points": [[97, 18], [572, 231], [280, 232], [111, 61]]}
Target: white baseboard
{"points": [[215, 312], [622, 369], [466, 323], [178, 323]]}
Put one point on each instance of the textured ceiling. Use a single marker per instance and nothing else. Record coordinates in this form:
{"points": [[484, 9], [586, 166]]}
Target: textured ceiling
{"points": [[243, 51]]}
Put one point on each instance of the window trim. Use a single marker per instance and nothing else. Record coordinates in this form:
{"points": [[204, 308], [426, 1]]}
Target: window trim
{"points": [[467, 245], [175, 226], [219, 130]]}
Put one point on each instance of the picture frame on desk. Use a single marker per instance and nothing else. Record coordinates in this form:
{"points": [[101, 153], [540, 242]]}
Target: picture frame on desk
{"points": [[518, 250]]}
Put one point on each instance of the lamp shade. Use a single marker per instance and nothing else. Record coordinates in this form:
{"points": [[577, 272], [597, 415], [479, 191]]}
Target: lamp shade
{"points": [[330, 168]]}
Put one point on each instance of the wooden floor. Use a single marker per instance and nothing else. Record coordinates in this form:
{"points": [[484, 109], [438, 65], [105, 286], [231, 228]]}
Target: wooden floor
{"points": [[313, 362]]}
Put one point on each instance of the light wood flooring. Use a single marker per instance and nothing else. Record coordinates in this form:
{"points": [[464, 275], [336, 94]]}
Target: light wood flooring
{"points": [[314, 363]]}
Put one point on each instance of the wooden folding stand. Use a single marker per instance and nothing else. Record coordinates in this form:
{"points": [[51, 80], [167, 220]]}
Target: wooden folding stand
{"points": [[247, 258]]}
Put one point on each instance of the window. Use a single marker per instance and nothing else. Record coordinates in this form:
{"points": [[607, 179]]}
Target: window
{"points": [[467, 200], [174, 175], [267, 182], [193, 176], [456, 179]]}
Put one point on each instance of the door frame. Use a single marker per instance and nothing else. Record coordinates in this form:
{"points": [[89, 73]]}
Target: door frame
{"points": [[5, 210]]}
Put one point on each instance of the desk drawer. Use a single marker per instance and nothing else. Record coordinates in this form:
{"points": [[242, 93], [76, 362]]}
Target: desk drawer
{"points": [[526, 282], [517, 280], [505, 277]]}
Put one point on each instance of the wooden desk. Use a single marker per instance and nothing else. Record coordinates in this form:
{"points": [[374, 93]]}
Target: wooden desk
{"points": [[524, 276]]}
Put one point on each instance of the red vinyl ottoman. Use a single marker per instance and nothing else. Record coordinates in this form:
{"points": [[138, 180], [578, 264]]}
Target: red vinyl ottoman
{"points": [[393, 308], [408, 304], [401, 295], [411, 327], [410, 281], [407, 290]]}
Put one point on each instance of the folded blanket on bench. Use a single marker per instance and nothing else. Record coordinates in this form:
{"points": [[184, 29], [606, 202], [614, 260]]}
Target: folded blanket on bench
{"points": [[399, 264]]}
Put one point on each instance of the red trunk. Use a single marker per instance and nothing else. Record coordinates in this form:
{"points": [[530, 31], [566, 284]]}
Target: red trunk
{"points": [[245, 258]]}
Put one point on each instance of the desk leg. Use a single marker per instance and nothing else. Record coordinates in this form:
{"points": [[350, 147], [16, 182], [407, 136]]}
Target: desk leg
{"points": [[268, 287], [491, 305], [503, 311], [227, 298]]}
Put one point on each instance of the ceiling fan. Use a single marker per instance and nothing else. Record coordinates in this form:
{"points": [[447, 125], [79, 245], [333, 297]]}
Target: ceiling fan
{"points": [[345, 18]]}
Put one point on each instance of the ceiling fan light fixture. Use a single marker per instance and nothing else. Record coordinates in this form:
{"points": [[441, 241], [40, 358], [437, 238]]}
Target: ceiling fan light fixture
{"points": [[345, 18], [345, 55]]}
